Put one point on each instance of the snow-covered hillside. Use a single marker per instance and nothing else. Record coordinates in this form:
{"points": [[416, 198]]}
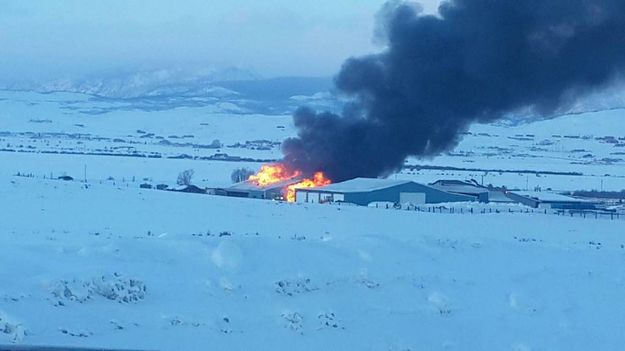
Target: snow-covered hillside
{"points": [[119, 267]]}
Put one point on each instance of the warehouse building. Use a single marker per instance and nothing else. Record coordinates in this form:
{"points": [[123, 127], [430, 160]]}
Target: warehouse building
{"points": [[463, 188], [547, 200], [472, 188], [363, 191]]}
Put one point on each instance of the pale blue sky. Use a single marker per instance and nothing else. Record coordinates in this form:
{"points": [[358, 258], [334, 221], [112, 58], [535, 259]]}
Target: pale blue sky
{"points": [[49, 39]]}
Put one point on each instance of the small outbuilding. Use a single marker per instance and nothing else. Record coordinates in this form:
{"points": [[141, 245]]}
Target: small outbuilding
{"points": [[363, 191]]}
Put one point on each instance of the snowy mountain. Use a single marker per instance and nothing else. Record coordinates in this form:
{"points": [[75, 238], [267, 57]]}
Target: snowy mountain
{"points": [[141, 83], [235, 90]]}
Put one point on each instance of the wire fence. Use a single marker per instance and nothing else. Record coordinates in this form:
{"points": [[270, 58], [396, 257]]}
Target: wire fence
{"points": [[591, 214]]}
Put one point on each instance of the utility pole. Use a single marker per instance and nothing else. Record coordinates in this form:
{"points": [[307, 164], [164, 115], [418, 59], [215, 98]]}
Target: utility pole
{"points": [[85, 173]]}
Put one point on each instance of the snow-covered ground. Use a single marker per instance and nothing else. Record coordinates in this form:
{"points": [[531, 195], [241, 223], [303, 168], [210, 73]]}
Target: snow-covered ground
{"points": [[107, 264], [119, 267]]}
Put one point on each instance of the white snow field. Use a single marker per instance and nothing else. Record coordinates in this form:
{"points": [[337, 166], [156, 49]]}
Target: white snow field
{"points": [[106, 264], [129, 268]]}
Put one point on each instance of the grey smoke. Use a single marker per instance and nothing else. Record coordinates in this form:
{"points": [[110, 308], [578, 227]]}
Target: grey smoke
{"points": [[477, 61]]}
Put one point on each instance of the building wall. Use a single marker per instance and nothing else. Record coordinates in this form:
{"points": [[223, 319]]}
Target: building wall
{"points": [[317, 197], [569, 205], [256, 194], [390, 194], [479, 194], [236, 193], [560, 205], [524, 200]]}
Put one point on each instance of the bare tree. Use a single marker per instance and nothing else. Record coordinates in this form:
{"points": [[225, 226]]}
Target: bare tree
{"points": [[184, 178], [240, 174], [216, 144]]}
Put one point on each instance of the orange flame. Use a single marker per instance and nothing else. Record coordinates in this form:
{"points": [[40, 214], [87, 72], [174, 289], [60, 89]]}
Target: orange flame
{"points": [[318, 179], [276, 173], [271, 174]]}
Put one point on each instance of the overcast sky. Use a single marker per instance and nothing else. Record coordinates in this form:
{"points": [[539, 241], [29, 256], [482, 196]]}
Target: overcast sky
{"points": [[45, 39]]}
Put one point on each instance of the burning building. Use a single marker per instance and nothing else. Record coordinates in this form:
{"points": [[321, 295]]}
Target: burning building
{"points": [[253, 190], [275, 182]]}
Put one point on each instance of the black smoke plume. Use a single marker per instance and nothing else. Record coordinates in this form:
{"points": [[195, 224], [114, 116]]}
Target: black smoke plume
{"points": [[476, 61]]}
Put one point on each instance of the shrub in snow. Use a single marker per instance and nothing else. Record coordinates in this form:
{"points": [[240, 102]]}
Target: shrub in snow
{"points": [[294, 321], [119, 289], [224, 325], [441, 303], [115, 288], [11, 331], [329, 320], [294, 287]]}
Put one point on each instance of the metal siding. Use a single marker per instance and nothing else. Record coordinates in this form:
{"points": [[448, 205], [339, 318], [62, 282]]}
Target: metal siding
{"points": [[392, 194], [570, 205], [256, 194], [301, 196], [412, 198], [524, 200]]}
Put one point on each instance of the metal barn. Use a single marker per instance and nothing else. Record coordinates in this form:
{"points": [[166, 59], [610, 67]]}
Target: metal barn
{"points": [[548, 200], [481, 194], [363, 191]]}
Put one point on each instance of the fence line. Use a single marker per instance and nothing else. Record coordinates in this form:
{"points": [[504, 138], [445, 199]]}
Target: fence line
{"points": [[593, 214]]}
